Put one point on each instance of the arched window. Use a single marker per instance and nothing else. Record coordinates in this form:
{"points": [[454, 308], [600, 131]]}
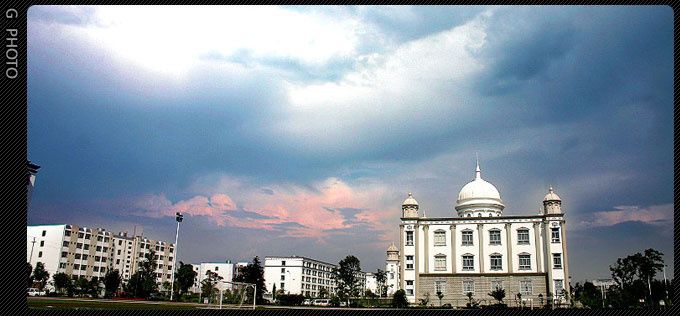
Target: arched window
{"points": [[440, 262], [495, 236], [468, 262], [467, 237], [524, 261], [440, 237], [522, 236], [496, 261]]}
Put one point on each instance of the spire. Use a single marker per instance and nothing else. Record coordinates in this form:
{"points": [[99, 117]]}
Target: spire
{"points": [[550, 190], [478, 172]]}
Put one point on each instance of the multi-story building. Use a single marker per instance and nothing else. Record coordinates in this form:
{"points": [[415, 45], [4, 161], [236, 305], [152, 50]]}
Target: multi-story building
{"points": [[481, 250], [226, 270], [371, 283], [298, 275], [90, 252]]}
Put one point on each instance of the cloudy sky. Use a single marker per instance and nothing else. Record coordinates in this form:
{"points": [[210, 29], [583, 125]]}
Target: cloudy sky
{"points": [[300, 130]]}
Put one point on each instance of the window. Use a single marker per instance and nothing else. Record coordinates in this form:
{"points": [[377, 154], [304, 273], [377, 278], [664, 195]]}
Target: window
{"points": [[496, 285], [81, 235], [86, 247], [525, 261], [62, 265], [555, 233], [99, 248], [77, 256], [283, 277], [496, 262], [65, 244], [44, 233], [409, 262], [76, 267], [42, 243], [119, 252], [409, 292], [216, 268], [523, 236], [409, 282], [468, 287], [87, 236], [283, 270], [468, 262], [440, 238], [495, 237], [557, 261], [83, 267], [440, 287], [440, 263], [39, 254], [282, 285], [67, 233], [525, 288], [467, 238], [64, 254], [85, 256], [283, 263], [409, 238], [391, 275], [559, 286]]}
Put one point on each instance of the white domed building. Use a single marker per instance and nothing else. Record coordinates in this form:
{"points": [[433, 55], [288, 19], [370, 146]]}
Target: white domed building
{"points": [[480, 250]]}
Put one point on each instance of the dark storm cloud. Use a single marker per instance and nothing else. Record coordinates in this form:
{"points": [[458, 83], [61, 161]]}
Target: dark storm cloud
{"points": [[579, 97]]}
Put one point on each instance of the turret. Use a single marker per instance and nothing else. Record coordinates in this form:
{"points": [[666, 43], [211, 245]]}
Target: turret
{"points": [[410, 207], [552, 204]]}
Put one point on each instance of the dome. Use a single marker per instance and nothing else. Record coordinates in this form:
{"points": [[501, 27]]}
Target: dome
{"points": [[551, 196], [479, 196], [410, 200]]}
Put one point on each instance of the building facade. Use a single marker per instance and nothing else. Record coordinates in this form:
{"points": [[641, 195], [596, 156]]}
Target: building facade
{"points": [[298, 275], [481, 250], [226, 270], [392, 270], [91, 252]]}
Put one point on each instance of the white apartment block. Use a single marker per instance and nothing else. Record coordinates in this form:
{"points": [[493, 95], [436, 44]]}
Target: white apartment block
{"points": [[226, 270], [298, 275], [91, 252]]}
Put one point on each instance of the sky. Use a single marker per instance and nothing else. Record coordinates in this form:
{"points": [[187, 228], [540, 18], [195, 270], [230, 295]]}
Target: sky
{"points": [[300, 130]]}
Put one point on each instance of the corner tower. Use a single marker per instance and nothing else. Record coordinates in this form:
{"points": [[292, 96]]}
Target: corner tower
{"points": [[409, 209]]}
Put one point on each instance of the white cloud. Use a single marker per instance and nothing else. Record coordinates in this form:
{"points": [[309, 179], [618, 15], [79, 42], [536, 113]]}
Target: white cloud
{"points": [[171, 39], [661, 215]]}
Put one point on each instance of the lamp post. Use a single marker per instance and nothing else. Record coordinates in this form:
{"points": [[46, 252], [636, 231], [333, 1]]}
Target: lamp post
{"points": [[178, 218]]}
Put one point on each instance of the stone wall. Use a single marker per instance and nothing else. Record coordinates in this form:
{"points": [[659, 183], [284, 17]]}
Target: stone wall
{"points": [[454, 295]]}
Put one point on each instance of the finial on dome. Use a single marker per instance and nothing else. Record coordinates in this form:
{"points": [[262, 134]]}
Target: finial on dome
{"points": [[551, 189], [411, 194], [478, 172]]}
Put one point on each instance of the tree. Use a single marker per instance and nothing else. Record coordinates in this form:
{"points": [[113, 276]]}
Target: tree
{"points": [[208, 284], [61, 281], [346, 277], [253, 273], [93, 287], [323, 292], [40, 275], [426, 299], [381, 279], [143, 282], [588, 294], [630, 289], [185, 277], [498, 294], [112, 281], [29, 272], [399, 299]]}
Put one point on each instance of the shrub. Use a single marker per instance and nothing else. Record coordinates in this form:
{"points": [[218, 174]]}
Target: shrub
{"points": [[291, 299]]}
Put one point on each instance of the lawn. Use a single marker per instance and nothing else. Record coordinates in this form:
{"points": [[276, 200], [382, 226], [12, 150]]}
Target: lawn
{"points": [[92, 304]]}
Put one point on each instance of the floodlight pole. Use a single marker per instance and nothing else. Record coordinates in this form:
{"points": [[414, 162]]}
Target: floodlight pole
{"points": [[178, 218]]}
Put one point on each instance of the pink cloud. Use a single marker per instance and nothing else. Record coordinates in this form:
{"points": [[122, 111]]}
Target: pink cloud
{"points": [[313, 208], [655, 215]]}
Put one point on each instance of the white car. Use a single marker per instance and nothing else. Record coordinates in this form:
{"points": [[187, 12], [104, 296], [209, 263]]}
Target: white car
{"points": [[34, 292], [321, 302]]}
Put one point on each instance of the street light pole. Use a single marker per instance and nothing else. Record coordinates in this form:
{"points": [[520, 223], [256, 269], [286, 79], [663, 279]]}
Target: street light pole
{"points": [[178, 218], [665, 284]]}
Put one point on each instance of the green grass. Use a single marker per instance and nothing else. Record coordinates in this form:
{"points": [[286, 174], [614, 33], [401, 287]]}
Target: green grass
{"points": [[84, 304]]}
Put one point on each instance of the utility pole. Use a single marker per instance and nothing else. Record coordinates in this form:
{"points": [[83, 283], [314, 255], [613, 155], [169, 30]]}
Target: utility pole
{"points": [[178, 218], [665, 284], [32, 245]]}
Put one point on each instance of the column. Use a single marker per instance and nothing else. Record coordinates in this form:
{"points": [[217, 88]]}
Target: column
{"points": [[537, 242], [453, 248], [565, 264], [508, 238], [402, 258], [426, 229], [416, 282], [480, 232]]}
